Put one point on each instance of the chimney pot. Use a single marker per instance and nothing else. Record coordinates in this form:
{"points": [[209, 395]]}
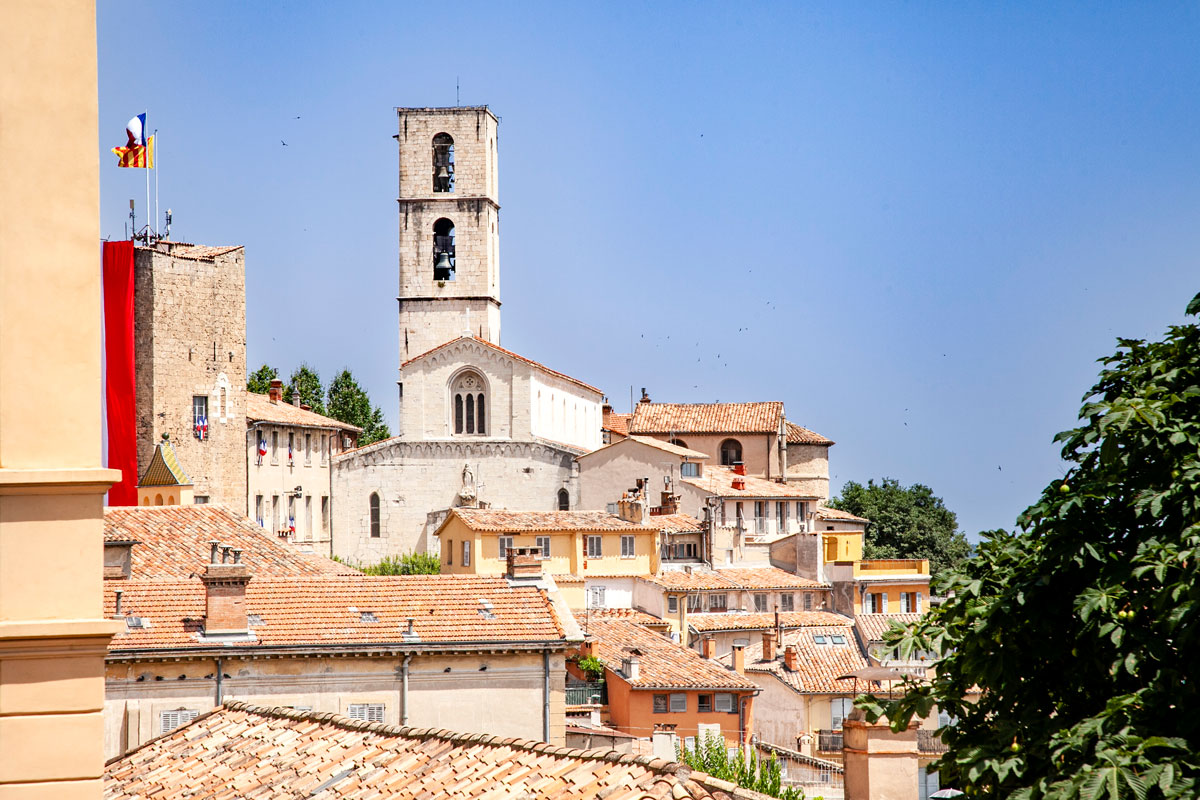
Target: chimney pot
{"points": [[275, 393], [237, 555], [295, 398], [739, 468], [225, 553], [215, 546], [739, 659]]}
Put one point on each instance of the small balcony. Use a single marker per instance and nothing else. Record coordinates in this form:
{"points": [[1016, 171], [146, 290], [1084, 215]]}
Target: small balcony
{"points": [[891, 566], [587, 694], [829, 741]]}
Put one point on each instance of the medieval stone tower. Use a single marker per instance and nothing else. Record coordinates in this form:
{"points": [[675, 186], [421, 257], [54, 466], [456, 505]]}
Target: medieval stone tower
{"points": [[449, 227]]}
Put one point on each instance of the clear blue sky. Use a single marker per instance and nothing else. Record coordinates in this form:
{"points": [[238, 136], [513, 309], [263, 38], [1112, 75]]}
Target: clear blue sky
{"points": [[916, 224]]}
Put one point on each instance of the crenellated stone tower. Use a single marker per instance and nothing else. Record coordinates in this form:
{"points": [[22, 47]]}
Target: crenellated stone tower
{"points": [[449, 227]]}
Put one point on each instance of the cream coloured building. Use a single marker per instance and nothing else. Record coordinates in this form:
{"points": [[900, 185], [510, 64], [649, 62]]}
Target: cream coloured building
{"points": [[289, 449]]}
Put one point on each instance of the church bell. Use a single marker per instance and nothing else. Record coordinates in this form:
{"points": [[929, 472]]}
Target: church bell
{"points": [[443, 269]]}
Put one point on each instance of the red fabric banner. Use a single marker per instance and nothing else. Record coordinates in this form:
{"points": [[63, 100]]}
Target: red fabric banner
{"points": [[118, 359]]}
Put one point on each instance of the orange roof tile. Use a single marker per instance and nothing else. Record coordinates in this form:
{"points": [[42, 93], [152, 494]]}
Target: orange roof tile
{"points": [[246, 751], [662, 663], [737, 621], [675, 523], [685, 418], [173, 542], [732, 578], [825, 512], [872, 627], [195, 252], [508, 353], [800, 435], [820, 664], [617, 423], [329, 611], [657, 444], [498, 521], [583, 616], [259, 408], [718, 481]]}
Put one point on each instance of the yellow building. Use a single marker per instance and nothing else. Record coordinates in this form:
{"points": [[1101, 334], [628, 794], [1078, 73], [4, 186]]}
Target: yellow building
{"points": [[593, 556], [871, 586]]}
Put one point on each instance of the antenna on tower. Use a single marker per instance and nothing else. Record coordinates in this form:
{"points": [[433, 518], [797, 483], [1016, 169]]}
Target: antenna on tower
{"points": [[457, 99]]}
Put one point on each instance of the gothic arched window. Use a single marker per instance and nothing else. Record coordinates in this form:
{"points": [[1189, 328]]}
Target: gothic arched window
{"points": [[443, 163], [443, 250], [469, 400], [374, 515], [564, 500], [731, 452]]}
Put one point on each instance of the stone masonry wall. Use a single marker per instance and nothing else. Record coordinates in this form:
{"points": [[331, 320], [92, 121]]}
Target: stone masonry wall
{"points": [[190, 339]]}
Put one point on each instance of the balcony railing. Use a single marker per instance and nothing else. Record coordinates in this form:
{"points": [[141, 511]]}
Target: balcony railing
{"points": [[929, 742], [893, 566], [583, 694], [829, 741]]}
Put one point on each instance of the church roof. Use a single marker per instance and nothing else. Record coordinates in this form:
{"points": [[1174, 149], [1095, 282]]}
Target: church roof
{"points": [[508, 353], [259, 408], [685, 418], [164, 468]]}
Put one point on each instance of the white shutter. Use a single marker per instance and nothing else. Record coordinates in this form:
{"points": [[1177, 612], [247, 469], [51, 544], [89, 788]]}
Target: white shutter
{"points": [[919, 599], [883, 597]]}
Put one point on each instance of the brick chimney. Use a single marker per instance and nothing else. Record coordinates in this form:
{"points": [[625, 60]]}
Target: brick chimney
{"points": [[791, 658], [587, 648], [524, 564], [708, 647], [768, 639], [739, 468], [225, 591], [739, 659], [275, 393], [645, 397]]}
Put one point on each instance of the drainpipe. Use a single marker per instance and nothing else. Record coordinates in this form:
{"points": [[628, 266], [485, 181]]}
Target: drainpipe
{"points": [[220, 695], [546, 696], [404, 689]]}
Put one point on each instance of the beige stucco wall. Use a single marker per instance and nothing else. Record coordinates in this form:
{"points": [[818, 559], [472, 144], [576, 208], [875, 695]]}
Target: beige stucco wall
{"points": [[503, 700], [760, 452], [52, 635], [610, 471]]}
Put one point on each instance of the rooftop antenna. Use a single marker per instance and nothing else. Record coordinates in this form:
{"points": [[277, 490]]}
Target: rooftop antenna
{"points": [[457, 99], [132, 219]]}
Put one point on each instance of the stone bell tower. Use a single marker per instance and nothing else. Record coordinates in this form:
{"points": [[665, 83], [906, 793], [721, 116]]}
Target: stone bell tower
{"points": [[449, 227]]}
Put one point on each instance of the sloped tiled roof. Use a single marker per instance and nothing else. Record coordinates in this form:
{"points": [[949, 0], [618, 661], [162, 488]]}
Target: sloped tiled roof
{"points": [[733, 578], [675, 523], [498, 521], [582, 616], [663, 664], [825, 512], [819, 664], [617, 423], [872, 626], [164, 468], [718, 481], [684, 418], [800, 435], [508, 353], [736, 621], [659, 444], [259, 408], [173, 542], [239, 750], [195, 252], [328, 611]]}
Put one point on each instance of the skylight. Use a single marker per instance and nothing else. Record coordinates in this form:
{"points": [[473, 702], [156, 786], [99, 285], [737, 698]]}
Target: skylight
{"points": [[368, 616], [819, 638], [837, 638]]}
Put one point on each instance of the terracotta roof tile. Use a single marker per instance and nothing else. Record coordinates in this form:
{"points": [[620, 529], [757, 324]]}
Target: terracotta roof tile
{"points": [[718, 481], [873, 626], [820, 664], [195, 252], [825, 512], [675, 523], [508, 353], [737, 621], [657, 444], [584, 616], [259, 408], [662, 663], [173, 542], [684, 418], [617, 423], [800, 435], [732, 578], [245, 751], [328, 611], [492, 520]]}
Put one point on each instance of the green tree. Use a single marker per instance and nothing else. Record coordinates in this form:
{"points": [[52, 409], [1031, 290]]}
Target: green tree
{"points": [[711, 756], [1082, 629], [307, 383], [259, 381], [349, 403], [906, 522]]}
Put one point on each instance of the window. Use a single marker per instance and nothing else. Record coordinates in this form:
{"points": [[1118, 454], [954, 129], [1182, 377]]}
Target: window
{"points": [[291, 514], [808, 601], [308, 448], [689, 469], [594, 547], [689, 743], [443, 250], [678, 442], [469, 404], [731, 452], [839, 708], [660, 704], [787, 602], [324, 513], [837, 638], [543, 543], [704, 703], [308, 526], [910, 602], [718, 602], [723, 701], [371, 712], [258, 509], [275, 513], [564, 500], [200, 416], [673, 604], [170, 720], [678, 702], [443, 163], [695, 603], [760, 602], [596, 597], [274, 447], [801, 511], [324, 448], [820, 638], [466, 559], [374, 502], [781, 516], [505, 544], [291, 446], [628, 549], [876, 603], [450, 552]]}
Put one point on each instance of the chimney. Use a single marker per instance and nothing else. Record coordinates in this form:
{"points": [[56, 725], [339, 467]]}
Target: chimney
{"points": [[295, 398], [645, 397], [768, 639], [587, 648], [739, 659], [739, 468], [632, 509], [791, 658], [739, 483], [117, 612], [633, 667], [275, 393], [669, 503], [225, 592], [708, 647], [524, 564]]}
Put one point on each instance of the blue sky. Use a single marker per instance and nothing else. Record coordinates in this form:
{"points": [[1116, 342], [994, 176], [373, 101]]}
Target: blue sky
{"points": [[916, 224]]}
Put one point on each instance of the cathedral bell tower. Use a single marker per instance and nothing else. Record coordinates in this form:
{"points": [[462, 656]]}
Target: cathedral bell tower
{"points": [[449, 227]]}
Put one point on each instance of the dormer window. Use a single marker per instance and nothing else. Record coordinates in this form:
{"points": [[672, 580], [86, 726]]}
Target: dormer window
{"points": [[443, 163], [469, 400]]}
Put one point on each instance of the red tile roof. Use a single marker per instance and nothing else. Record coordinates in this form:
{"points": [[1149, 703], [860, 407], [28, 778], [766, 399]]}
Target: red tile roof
{"points": [[662, 663], [684, 418], [732, 578], [872, 627], [329, 611], [173, 542], [737, 621], [497, 521], [617, 423], [799, 435], [675, 523], [508, 353], [819, 664], [825, 512], [195, 252], [718, 481], [585, 616], [259, 408], [239, 750]]}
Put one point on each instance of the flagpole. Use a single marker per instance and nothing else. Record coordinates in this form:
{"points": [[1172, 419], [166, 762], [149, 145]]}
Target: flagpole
{"points": [[148, 228], [156, 217]]}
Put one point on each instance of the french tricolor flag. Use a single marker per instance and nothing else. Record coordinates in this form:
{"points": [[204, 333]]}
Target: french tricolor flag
{"points": [[262, 447]]}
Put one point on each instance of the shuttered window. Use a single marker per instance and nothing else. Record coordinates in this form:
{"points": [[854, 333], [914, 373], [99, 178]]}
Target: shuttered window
{"points": [[371, 712], [170, 720]]}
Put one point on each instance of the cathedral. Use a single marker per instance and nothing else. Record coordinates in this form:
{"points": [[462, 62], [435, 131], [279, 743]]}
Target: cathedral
{"points": [[480, 426]]}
